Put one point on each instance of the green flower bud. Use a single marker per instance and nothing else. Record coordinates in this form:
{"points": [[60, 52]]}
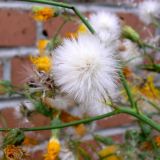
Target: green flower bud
{"points": [[130, 33]]}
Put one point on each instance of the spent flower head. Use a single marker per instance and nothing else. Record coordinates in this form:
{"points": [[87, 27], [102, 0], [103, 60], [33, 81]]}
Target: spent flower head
{"points": [[13, 152]]}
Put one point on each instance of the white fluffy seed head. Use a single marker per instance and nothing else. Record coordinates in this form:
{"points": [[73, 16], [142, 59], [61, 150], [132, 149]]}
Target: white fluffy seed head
{"points": [[84, 68], [107, 26], [148, 10], [131, 53]]}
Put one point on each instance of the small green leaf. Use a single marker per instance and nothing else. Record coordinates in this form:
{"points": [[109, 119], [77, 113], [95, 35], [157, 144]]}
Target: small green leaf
{"points": [[84, 154], [151, 67], [41, 108], [7, 87], [55, 122], [104, 140], [14, 137]]}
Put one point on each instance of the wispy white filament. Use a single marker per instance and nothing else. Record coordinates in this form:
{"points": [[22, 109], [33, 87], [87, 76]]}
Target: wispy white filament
{"points": [[84, 68], [131, 53]]}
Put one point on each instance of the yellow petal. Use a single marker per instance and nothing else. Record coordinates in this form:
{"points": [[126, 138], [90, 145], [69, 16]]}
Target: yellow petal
{"points": [[108, 150]]}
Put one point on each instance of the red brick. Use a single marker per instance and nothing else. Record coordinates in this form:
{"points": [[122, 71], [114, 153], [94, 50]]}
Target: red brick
{"points": [[10, 117], [14, 121], [91, 147], [51, 27], [139, 26], [17, 28], [119, 138], [116, 2], [38, 155], [115, 121], [1, 72], [21, 70], [40, 120]]}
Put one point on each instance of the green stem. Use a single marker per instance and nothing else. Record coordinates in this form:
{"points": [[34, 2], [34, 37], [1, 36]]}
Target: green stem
{"points": [[141, 117], [3, 120], [150, 46], [65, 5], [149, 58], [127, 89], [152, 104], [52, 43], [132, 112], [141, 124], [156, 22], [74, 123]]}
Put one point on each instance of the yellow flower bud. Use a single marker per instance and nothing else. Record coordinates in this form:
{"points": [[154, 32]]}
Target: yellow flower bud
{"points": [[53, 149], [42, 44]]}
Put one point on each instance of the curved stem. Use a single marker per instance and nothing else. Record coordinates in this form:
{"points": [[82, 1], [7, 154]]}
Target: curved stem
{"points": [[74, 123], [127, 89], [65, 5], [132, 112], [152, 47]]}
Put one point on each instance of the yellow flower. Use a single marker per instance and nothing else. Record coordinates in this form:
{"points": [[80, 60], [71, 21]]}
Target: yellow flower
{"points": [[81, 30], [42, 63], [28, 141], [112, 157], [43, 13], [108, 151], [148, 89], [14, 153], [42, 44], [53, 149], [157, 141]]}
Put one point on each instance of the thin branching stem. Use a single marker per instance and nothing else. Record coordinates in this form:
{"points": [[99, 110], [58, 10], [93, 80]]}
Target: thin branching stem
{"points": [[131, 112], [67, 6], [127, 89]]}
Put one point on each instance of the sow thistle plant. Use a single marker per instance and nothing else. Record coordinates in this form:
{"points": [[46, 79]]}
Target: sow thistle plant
{"points": [[103, 69]]}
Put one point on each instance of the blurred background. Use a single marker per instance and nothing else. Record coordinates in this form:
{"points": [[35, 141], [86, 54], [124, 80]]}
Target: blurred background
{"points": [[19, 33]]}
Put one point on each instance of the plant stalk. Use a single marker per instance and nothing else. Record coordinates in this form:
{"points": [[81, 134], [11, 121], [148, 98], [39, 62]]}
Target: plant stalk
{"points": [[131, 112], [65, 5]]}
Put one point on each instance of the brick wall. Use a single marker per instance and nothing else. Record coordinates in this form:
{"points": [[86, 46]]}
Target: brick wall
{"points": [[18, 35]]}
